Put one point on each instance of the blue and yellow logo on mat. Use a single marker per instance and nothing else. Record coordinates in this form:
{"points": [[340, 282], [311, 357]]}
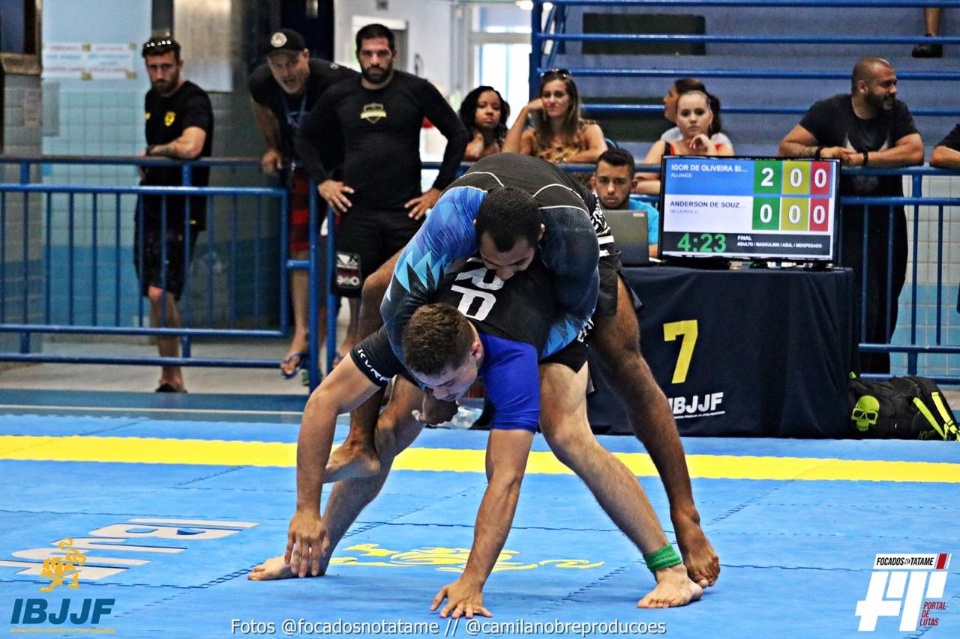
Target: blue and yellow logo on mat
{"points": [[30, 613]]}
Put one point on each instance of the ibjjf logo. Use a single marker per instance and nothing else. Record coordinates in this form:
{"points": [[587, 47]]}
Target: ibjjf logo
{"points": [[28, 614], [59, 568], [907, 586]]}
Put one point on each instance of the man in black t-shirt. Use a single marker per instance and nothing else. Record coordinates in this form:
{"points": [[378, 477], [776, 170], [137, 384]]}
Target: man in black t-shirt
{"points": [[868, 127], [946, 154], [379, 198], [283, 90], [179, 125]]}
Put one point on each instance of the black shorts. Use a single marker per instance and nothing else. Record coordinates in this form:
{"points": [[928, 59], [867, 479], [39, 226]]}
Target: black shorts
{"points": [[365, 241], [148, 258], [610, 275], [573, 355], [375, 358]]}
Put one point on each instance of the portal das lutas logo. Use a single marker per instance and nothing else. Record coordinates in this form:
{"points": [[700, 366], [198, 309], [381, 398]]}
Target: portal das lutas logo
{"points": [[906, 586], [63, 572]]}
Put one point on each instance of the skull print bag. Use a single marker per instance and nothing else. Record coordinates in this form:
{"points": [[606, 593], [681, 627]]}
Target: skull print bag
{"points": [[909, 407]]}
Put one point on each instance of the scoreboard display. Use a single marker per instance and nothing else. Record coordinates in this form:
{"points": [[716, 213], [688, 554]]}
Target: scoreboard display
{"points": [[748, 208]]}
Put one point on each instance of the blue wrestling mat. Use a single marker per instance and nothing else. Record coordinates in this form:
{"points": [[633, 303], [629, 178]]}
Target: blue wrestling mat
{"points": [[160, 516]]}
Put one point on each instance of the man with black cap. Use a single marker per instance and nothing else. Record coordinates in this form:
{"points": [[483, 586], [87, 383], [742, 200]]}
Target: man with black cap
{"points": [[178, 125], [283, 90]]}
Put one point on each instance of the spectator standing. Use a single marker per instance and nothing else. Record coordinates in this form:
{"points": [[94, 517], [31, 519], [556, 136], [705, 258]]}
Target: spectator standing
{"points": [[558, 133], [484, 113], [869, 126], [379, 198], [283, 90], [931, 21], [179, 125]]}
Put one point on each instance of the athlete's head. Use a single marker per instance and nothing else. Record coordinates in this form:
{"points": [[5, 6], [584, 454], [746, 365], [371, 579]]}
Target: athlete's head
{"points": [[442, 350], [509, 227]]}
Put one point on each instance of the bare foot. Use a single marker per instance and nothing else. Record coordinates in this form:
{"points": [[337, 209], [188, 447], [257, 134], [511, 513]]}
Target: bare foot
{"points": [[699, 557], [673, 589], [273, 568], [351, 461]]}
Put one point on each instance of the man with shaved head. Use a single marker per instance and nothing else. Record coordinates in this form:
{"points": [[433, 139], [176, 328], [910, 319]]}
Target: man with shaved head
{"points": [[869, 127]]}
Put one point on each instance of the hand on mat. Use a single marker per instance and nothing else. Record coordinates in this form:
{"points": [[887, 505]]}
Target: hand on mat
{"points": [[463, 600], [307, 543]]}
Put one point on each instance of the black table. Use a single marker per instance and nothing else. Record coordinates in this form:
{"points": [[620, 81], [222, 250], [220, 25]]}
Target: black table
{"points": [[749, 352]]}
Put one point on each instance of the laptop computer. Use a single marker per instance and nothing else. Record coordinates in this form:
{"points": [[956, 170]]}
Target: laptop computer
{"points": [[631, 235]]}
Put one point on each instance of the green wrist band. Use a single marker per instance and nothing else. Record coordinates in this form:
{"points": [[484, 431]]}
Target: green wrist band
{"points": [[666, 557]]}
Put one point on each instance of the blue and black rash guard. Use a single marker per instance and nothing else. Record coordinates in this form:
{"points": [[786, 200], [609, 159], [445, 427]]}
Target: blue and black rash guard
{"points": [[570, 247], [512, 319]]}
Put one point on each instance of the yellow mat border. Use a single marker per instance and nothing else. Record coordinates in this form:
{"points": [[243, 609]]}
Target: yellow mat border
{"points": [[204, 452]]}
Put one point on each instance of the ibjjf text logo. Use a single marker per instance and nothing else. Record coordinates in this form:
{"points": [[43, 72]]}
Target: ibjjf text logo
{"points": [[61, 570], [907, 586]]}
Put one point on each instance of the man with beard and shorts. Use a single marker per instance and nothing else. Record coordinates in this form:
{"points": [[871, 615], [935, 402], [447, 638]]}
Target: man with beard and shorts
{"points": [[868, 127], [282, 92], [178, 125]]}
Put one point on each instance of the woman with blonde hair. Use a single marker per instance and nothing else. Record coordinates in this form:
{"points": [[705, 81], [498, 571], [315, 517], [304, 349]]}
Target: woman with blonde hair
{"points": [[559, 133]]}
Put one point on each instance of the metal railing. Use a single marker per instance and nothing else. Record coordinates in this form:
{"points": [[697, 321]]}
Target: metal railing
{"points": [[66, 264], [549, 31], [69, 279]]}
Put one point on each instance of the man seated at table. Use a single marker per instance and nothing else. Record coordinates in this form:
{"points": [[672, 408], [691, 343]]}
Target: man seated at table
{"points": [[612, 181]]}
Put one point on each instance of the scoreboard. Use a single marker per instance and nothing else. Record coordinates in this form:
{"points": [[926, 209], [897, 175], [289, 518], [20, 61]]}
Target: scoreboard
{"points": [[748, 208]]}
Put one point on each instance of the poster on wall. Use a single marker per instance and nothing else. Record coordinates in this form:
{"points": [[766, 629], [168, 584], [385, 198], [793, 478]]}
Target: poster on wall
{"points": [[90, 61]]}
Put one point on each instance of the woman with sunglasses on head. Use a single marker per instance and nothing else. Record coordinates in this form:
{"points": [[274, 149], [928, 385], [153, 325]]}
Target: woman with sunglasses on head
{"points": [[559, 134], [694, 118], [484, 112], [680, 87]]}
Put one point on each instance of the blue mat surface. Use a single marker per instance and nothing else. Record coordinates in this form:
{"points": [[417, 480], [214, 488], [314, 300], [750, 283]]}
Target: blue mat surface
{"points": [[167, 545]]}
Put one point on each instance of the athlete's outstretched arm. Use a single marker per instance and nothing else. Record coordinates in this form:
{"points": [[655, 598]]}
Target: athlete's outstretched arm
{"points": [[344, 389], [507, 452]]}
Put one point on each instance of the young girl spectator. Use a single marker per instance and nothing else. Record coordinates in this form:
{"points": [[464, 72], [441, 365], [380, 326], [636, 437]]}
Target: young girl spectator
{"points": [[559, 133], [484, 112], [694, 118], [680, 87]]}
